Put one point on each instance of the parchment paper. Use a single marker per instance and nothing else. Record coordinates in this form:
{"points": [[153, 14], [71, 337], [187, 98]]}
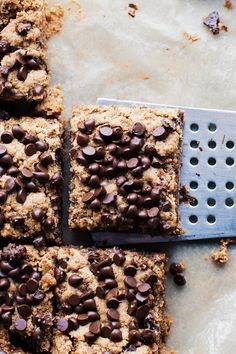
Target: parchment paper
{"points": [[103, 52]]}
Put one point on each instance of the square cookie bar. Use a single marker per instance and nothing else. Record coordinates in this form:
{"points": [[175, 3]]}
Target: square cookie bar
{"points": [[109, 301], [23, 75], [26, 299], [125, 164], [30, 179]]}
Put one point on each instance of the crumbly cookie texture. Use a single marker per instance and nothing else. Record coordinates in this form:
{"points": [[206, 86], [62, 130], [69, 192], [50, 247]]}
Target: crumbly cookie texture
{"points": [[24, 76], [109, 301], [125, 165], [52, 104], [27, 280], [30, 179]]}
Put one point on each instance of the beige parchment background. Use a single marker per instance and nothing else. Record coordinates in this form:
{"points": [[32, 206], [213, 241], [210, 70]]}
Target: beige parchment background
{"points": [[103, 52]]}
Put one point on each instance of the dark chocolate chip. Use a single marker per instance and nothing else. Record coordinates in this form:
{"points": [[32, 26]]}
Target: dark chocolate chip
{"points": [[89, 124], [98, 139], [106, 331], [95, 205], [90, 337], [42, 177], [30, 149], [94, 168], [37, 213], [18, 132], [56, 178], [109, 198], [136, 144], [212, 22], [112, 303], [176, 268], [151, 279], [73, 300], [3, 150], [6, 137], [160, 133], [179, 279], [113, 315], [38, 90], [95, 328], [21, 196], [93, 316], [153, 212], [75, 280], [146, 162], [38, 334], [45, 158], [117, 133], [83, 318], [4, 47], [144, 288], [10, 185], [132, 211], [23, 28], [134, 336], [62, 325], [24, 310], [116, 335], [6, 161], [13, 171], [22, 73], [20, 324], [121, 165], [130, 270], [118, 258], [107, 272], [90, 305], [88, 197], [94, 181], [130, 282], [82, 139], [4, 284], [32, 64], [142, 312], [89, 151], [29, 139], [106, 132], [139, 129], [166, 207], [3, 197], [132, 163], [32, 285]]}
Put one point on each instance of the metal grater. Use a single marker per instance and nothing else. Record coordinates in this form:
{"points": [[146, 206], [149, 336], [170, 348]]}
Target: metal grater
{"points": [[209, 170]]}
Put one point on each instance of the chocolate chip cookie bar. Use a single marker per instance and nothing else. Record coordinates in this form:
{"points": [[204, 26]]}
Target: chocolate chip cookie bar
{"points": [[125, 166], [23, 75], [26, 298], [30, 179], [109, 301]]}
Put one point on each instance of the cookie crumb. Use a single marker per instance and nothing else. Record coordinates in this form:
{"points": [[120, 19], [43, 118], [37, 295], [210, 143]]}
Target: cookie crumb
{"points": [[221, 255], [212, 21], [191, 38], [228, 4], [132, 10]]}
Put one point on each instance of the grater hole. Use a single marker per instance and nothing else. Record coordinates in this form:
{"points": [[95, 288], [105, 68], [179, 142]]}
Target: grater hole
{"points": [[212, 144], [211, 161], [211, 185], [193, 202], [230, 144], [229, 161], [211, 219], [229, 202], [212, 127], [194, 144], [211, 202], [229, 185], [194, 127], [193, 219], [193, 185], [194, 161]]}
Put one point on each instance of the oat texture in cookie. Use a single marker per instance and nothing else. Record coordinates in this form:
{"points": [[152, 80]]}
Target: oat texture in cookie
{"points": [[30, 179], [109, 301], [125, 166]]}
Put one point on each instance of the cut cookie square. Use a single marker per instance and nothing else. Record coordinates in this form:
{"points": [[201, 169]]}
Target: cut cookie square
{"points": [[30, 180], [109, 301], [125, 165], [26, 299]]}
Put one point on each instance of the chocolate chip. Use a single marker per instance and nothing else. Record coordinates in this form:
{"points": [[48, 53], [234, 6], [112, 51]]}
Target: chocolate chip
{"points": [[179, 279], [94, 168], [166, 207], [116, 335], [132, 163], [98, 139], [37, 213], [95, 328], [212, 22], [38, 90], [135, 144], [107, 272], [4, 47], [32, 64], [23, 28], [141, 298], [106, 331], [118, 259], [6, 137], [148, 336], [90, 337], [56, 179], [4, 284], [88, 197], [24, 310], [113, 315], [134, 336], [122, 166], [130, 270], [176, 268], [95, 205], [151, 279], [106, 132], [22, 289], [20, 324], [3, 197], [9, 184], [132, 211], [90, 304], [3, 150], [17, 221], [82, 139], [27, 174], [144, 288], [153, 212], [139, 129], [30, 149], [73, 300], [160, 133], [29, 139], [130, 282], [75, 280], [32, 285], [93, 316], [117, 133], [21, 196], [94, 181], [89, 151], [22, 73], [62, 325], [112, 303], [42, 177], [100, 292], [6, 161], [89, 124], [109, 198], [146, 162], [38, 334], [83, 318], [18, 132], [45, 158], [142, 312], [120, 181]]}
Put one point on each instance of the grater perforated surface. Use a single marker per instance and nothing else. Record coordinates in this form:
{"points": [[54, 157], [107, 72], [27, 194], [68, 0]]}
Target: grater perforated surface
{"points": [[209, 170]]}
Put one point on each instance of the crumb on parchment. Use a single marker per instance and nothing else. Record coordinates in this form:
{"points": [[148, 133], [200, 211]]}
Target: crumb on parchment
{"points": [[212, 21], [228, 4], [221, 255], [189, 37]]}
